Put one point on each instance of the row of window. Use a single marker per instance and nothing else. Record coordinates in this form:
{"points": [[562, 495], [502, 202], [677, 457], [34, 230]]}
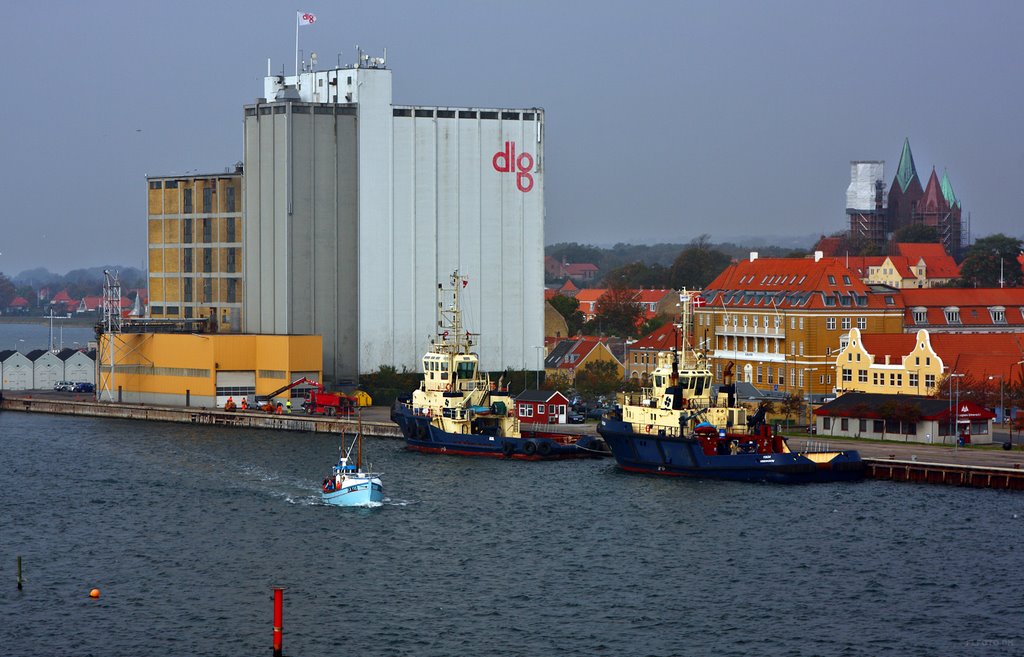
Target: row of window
{"points": [[206, 227], [895, 379], [526, 409], [462, 114], [235, 391], [208, 196], [188, 294], [230, 264], [768, 321], [952, 315], [895, 426]]}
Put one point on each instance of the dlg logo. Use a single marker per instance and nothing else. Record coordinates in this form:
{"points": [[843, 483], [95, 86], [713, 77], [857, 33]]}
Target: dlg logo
{"points": [[506, 162]]}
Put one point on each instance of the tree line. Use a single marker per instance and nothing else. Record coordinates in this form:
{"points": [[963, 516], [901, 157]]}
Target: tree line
{"points": [[79, 283]]}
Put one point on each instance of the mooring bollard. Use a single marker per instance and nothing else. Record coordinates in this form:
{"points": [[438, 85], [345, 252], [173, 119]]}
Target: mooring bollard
{"points": [[20, 580]]}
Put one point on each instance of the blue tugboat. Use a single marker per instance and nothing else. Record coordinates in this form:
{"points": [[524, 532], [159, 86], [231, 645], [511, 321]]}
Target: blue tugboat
{"points": [[677, 428], [458, 410], [347, 484]]}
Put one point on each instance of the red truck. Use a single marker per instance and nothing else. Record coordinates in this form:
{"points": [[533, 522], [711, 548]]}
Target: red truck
{"points": [[317, 401], [329, 403]]}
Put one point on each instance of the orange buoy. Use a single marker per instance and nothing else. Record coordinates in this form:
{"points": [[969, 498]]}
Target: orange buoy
{"points": [[95, 593]]}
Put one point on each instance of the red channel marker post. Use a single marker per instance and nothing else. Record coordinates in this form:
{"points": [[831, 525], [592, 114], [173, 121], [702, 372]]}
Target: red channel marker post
{"points": [[278, 621]]}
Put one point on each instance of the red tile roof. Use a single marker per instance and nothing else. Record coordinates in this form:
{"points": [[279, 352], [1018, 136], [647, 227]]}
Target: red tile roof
{"points": [[18, 302], [580, 269], [795, 283], [580, 350], [893, 345], [979, 355], [938, 263], [660, 339], [973, 303]]}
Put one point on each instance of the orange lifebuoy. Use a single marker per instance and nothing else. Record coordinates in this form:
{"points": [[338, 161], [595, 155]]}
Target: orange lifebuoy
{"points": [[448, 388]]}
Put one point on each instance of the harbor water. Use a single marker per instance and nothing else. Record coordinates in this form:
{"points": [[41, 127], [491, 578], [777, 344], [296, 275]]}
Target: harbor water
{"points": [[24, 336], [185, 530]]}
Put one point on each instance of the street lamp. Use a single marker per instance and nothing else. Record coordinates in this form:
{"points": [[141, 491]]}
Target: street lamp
{"points": [[1002, 409], [955, 416]]}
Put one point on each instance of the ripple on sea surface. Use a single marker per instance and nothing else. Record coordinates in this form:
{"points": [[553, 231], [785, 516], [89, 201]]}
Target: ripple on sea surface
{"points": [[186, 528]]}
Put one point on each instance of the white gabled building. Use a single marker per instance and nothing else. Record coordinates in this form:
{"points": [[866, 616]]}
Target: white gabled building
{"points": [[47, 369], [15, 370], [79, 365]]}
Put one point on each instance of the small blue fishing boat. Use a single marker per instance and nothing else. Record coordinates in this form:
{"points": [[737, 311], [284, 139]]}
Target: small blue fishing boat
{"points": [[348, 485]]}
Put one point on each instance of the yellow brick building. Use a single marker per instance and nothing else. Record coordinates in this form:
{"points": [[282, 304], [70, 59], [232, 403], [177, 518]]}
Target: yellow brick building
{"points": [[782, 321], [897, 363], [195, 247], [203, 370]]}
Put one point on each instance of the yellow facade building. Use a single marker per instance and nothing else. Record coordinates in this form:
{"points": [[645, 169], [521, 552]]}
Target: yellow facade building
{"points": [[781, 321], [179, 369], [889, 364], [195, 248]]}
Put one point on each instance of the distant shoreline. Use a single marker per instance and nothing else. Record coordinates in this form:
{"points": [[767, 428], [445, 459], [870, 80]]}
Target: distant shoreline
{"points": [[45, 321]]}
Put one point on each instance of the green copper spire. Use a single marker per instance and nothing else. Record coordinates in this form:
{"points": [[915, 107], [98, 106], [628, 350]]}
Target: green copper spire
{"points": [[947, 191], [906, 171]]}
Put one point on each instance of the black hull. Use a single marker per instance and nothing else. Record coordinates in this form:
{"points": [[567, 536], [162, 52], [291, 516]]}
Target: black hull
{"points": [[684, 457], [421, 436]]}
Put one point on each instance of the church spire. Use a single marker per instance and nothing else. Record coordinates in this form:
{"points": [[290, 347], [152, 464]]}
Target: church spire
{"points": [[906, 171], [947, 191]]}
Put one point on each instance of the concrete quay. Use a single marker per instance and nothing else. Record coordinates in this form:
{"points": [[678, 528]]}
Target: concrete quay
{"points": [[989, 467], [64, 404]]}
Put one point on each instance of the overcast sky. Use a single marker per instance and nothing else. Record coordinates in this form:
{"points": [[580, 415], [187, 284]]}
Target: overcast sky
{"points": [[664, 120]]}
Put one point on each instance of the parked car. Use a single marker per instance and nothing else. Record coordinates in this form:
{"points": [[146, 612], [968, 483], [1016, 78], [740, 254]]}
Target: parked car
{"points": [[597, 412], [84, 387], [575, 418], [64, 386]]}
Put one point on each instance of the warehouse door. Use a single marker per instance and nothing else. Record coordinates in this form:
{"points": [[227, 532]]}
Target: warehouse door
{"points": [[47, 374], [237, 385]]}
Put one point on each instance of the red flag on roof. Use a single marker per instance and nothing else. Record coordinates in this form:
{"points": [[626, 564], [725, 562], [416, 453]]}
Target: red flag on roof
{"points": [[698, 301]]}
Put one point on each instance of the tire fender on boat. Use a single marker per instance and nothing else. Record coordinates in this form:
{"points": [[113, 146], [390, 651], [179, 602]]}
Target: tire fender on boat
{"points": [[508, 447], [544, 448], [530, 448]]}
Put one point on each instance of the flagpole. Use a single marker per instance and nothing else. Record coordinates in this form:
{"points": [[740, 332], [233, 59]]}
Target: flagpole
{"points": [[296, 44]]}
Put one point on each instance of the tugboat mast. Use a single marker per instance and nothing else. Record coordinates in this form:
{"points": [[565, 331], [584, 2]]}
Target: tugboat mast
{"points": [[451, 338]]}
